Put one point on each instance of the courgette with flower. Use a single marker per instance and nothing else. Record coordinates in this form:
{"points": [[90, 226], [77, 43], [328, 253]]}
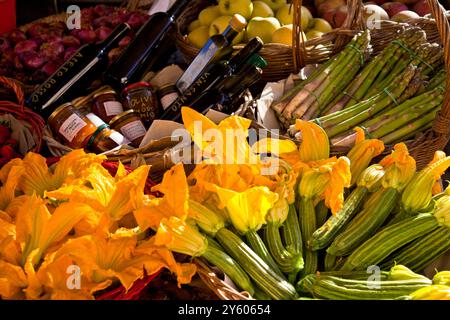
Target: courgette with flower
{"points": [[269, 281], [326, 181], [389, 285], [385, 242], [399, 168]]}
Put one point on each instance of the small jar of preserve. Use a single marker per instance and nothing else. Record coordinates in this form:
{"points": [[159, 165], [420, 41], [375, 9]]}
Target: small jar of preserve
{"points": [[130, 125], [105, 139], [83, 104], [71, 126], [107, 105], [167, 95], [141, 98]]}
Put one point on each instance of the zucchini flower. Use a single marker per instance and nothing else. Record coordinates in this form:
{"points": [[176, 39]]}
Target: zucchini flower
{"points": [[362, 153], [442, 211], [419, 192], [279, 212], [178, 236], [371, 177], [208, 221], [327, 181], [399, 167], [400, 272], [433, 292], [247, 209], [315, 145], [442, 278]]}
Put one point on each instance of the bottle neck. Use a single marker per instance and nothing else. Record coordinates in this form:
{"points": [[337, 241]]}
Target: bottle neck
{"points": [[177, 8], [114, 38], [243, 55], [229, 34]]}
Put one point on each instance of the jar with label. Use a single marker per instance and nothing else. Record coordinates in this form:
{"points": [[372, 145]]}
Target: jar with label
{"points": [[83, 104], [167, 95], [106, 139], [141, 98], [107, 105], [71, 126], [130, 125]]}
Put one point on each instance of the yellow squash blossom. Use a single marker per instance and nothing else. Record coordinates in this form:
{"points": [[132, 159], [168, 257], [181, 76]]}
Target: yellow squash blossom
{"points": [[442, 211], [327, 181], [399, 168], [37, 229], [224, 143], [247, 209], [419, 191], [433, 292], [174, 202], [362, 153]]}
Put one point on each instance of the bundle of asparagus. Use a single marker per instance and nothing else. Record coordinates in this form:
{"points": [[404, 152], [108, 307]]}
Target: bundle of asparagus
{"points": [[310, 97], [393, 96]]}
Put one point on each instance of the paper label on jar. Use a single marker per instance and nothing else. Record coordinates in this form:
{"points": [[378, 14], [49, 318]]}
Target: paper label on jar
{"points": [[71, 127], [133, 130], [113, 108], [168, 99], [118, 138]]}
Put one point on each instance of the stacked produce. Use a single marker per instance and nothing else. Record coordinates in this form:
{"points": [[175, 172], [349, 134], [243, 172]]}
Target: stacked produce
{"points": [[35, 54], [393, 96], [272, 21]]}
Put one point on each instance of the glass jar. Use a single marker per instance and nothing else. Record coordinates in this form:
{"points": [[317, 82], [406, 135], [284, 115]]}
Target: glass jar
{"points": [[130, 125], [167, 95], [83, 104], [106, 139], [71, 126], [141, 98], [107, 105]]}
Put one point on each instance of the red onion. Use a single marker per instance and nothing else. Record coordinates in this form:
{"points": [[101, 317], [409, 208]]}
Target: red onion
{"points": [[49, 68], [25, 46], [87, 36], [51, 50], [33, 60], [125, 41], [16, 36], [38, 29], [70, 41], [69, 52], [5, 44], [103, 33]]}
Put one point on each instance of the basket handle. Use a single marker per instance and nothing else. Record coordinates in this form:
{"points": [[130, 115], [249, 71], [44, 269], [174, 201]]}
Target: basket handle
{"points": [[441, 124], [15, 86], [353, 21]]}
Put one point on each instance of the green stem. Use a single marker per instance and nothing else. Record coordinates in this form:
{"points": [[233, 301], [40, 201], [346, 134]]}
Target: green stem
{"points": [[307, 218]]}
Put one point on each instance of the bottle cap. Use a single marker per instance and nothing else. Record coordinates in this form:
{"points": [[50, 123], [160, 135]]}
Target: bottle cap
{"points": [[257, 61], [238, 22]]}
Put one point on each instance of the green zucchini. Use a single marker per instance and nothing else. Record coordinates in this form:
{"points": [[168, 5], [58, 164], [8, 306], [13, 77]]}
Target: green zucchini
{"points": [[323, 236], [321, 213], [385, 242], [366, 223], [421, 252], [307, 218], [258, 270]]}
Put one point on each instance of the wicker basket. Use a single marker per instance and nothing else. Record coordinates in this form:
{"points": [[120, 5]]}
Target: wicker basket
{"points": [[283, 59], [32, 121], [422, 149]]}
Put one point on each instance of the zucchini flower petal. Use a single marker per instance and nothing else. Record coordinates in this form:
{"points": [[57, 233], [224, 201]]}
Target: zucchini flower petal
{"points": [[362, 153], [442, 211], [315, 143], [12, 280], [247, 209], [400, 272], [178, 236], [419, 191], [328, 182], [278, 214], [371, 177], [433, 292], [399, 168]]}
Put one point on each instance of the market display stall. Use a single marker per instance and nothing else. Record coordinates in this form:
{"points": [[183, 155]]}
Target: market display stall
{"points": [[235, 150]]}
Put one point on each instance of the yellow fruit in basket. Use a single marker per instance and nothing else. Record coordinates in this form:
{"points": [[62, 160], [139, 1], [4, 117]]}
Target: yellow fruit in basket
{"points": [[275, 4], [199, 36], [194, 25], [261, 9], [286, 15], [208, 15], [231, 7], [263, 28], [220, 24], [311, 34], [321, 25], [283, 35]]}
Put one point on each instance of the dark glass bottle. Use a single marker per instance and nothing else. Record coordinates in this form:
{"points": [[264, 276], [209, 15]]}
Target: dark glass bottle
{"points": [[213, 75], [75, 74], [151, 42], [229, 89], [218, 47]]}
